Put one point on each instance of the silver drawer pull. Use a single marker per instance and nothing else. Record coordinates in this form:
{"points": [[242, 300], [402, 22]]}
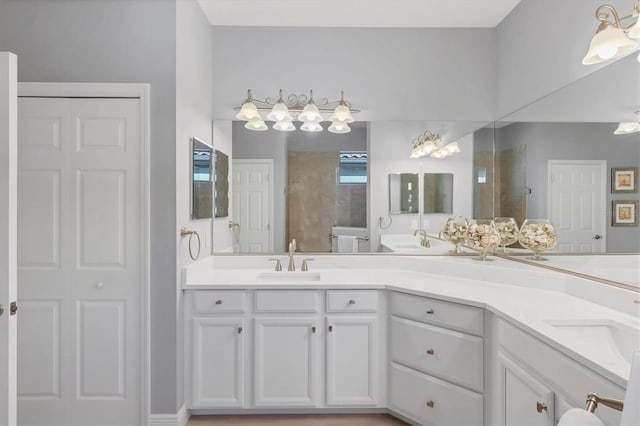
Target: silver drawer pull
{"points": [[430, 312], [352, 302], [541, 407], [430, 352], [239, 330], [313, 329], [218, 302], [429, 404]]}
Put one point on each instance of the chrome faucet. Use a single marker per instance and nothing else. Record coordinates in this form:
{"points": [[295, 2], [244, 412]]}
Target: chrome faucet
{"points": [[424, 241], [292, 251]]}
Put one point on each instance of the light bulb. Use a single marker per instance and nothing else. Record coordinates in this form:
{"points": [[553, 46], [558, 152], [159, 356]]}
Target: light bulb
{"points": [[607, 51], [256, 124], [284, 126]]}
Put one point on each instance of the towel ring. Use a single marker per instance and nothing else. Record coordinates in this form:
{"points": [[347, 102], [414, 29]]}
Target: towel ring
{"points": [[183, 233], [381, 221]]}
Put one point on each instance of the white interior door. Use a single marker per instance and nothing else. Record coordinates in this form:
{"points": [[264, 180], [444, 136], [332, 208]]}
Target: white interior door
{"points": [[253, 204], [8, 215], [577, 204], [80, 262]]}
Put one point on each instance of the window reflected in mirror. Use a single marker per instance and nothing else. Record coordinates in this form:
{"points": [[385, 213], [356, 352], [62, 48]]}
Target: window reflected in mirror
{"points": [[201, 179]]}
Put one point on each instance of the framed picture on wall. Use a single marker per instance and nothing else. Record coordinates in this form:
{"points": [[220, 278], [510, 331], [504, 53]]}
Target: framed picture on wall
{"points": [[624, 213], [624, 180]]}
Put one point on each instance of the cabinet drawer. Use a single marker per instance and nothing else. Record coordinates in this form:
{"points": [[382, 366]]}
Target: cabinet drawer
{"points": [[298, 301], [219, 301], [452, 315], [447, 354], [448, 404], [352, 301]]}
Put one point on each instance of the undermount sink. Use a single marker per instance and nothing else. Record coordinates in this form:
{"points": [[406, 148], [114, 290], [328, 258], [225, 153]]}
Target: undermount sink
{"points": [[409, 246], [604, 340], [289, 276]]}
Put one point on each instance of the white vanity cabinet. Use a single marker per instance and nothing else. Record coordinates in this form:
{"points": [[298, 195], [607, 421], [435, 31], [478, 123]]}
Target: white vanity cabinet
{"points": [[534, 384], [218, 334], [436, 370], [285, 349]]}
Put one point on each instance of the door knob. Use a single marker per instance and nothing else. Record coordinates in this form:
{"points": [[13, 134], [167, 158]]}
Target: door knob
{"points": [[1, 310], [541, 407], [597, 237], [13, 308]]}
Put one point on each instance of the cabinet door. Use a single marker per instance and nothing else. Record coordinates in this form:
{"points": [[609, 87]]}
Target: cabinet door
{"points": [[526, 401], [285, 362], [218, 363], [351, 360]]}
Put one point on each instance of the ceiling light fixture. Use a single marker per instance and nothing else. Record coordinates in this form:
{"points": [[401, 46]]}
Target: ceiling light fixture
{"points": [[626, 127], [612, 39], [300, 108]]}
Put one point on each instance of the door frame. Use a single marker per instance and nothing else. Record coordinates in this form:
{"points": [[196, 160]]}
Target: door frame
{"points": [[122, 90], [603, 171], [269, 163]]}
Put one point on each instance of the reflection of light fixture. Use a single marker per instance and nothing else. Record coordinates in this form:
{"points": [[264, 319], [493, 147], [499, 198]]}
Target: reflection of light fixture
{"points": [[425, 144], [300, 108], [611, 40], [446, 151], [626, 127]]}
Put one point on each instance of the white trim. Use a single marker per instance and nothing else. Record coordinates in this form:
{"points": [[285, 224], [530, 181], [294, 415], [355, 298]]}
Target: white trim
{"points": [[269, 163], [179, 419], [603, 171], [121, 90]]}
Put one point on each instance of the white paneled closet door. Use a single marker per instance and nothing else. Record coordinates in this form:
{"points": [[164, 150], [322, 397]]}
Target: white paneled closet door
{"points": [[80, 261]]}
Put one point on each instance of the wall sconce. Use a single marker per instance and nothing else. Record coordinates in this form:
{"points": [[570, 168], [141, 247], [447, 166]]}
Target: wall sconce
{"points": [[612, 39], [297, 107], [626, 127]]}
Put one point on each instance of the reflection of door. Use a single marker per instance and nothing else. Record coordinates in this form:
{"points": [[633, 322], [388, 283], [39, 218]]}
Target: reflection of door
{"points": [[8, 190], [252, 204], [80, 261], [577, 204]]}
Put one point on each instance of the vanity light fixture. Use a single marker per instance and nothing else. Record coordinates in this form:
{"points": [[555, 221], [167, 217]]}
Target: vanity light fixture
{"points": [[626, 127], [612, 39], [425, 144], [446, 151], [299, 108]]}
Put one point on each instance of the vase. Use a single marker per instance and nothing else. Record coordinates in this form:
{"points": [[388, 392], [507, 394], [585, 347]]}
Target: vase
{"points": [[454, 231], [482, 235], [538, 235], [508, 230]]}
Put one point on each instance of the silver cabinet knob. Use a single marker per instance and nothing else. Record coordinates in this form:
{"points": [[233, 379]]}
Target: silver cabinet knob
{"points": [[352, 302], [218, 302], [597, 237], [430, 352], [1, 310], [430, 312], [541, 406], [430, 404]]}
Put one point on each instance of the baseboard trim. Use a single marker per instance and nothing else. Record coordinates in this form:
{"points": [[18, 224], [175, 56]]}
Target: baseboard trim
{"points": [[179, 419], [266, 411]]}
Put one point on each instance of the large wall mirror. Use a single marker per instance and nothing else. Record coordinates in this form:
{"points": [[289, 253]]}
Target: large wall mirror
{"points": [[201, 179]]}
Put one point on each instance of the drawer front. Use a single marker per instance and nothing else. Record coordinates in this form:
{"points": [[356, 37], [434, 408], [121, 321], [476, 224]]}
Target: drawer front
{"points": [[298, 301], [452, 315], [431, 401], [219, 301], [352, 301], [447, 354]]}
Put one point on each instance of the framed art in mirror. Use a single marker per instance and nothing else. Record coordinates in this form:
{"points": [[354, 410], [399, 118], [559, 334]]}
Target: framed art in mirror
{"points": [[624, 213], [624, 180]]}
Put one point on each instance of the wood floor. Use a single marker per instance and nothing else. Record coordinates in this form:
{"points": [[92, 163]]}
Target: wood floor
{"points": [[297, 420]]}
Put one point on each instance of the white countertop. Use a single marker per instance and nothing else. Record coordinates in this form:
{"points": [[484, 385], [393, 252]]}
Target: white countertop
{"points": [[531, 298]]}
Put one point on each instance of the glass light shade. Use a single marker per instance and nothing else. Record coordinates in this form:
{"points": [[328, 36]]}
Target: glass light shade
{"points": [[310, 114], [453, 147], [627, 127], [279, 112], [339, 127], [284, 126], [609, 43], [634, 31], [248, 112], [256, 124], [342, 114], [311, 126], [438, 154]]}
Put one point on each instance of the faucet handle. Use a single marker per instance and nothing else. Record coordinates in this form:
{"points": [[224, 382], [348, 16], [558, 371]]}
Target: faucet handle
{"points": [[305, 266], [278, 264]]}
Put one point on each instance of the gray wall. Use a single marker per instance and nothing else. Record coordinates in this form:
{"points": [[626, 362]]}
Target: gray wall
{"points": [[118, 41], [540, 46], [392, 74], [574, 141], [194, 55]]}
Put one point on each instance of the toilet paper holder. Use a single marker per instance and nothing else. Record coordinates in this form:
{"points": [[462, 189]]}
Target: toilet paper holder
{"points": [[593, 400]]}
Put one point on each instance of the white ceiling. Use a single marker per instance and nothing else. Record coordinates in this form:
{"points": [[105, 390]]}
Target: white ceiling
{"points": [[358, 13]]}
